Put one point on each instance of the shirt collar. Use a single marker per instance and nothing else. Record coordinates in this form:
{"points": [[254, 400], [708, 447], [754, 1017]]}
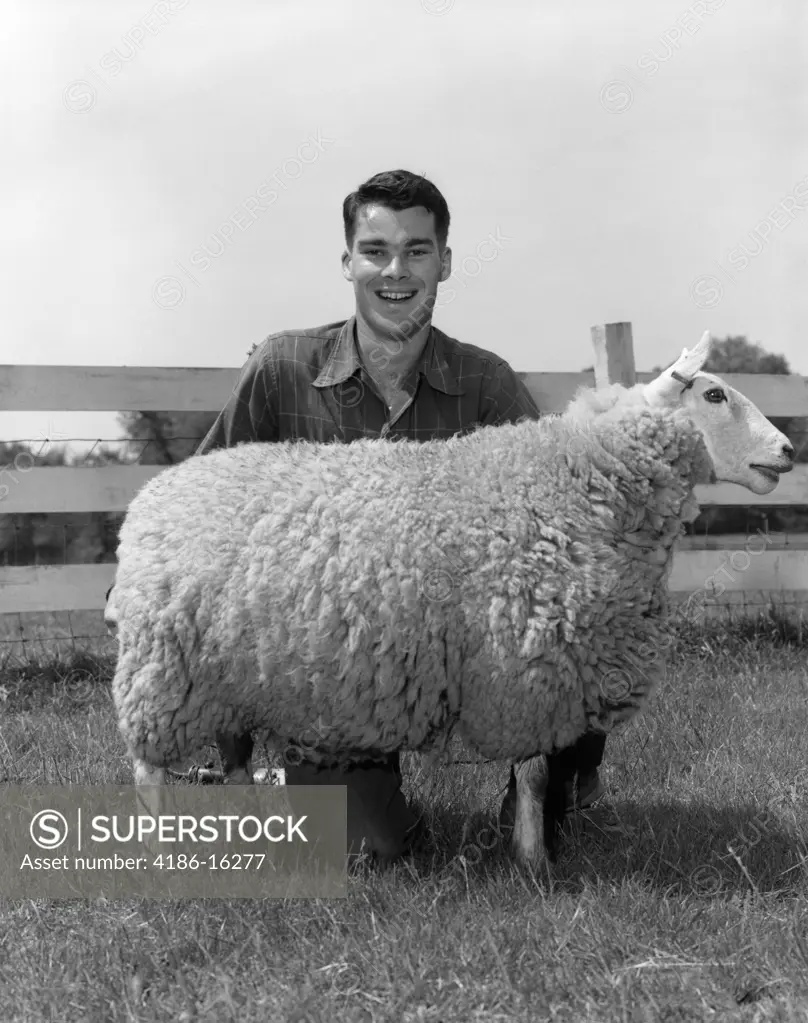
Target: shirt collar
{"points": [[344, 361]]}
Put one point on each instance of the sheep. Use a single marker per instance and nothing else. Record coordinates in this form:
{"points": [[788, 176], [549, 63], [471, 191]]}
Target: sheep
{"points": [[264, 587]]}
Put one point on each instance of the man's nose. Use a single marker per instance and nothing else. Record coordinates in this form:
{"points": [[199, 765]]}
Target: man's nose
{"points": [[395, 268]]}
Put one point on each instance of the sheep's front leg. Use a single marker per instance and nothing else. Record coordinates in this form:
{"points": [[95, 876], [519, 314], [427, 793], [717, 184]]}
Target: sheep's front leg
{"points": [[145, 774], [529, 780], [236, 753], [150, 796], [541, 805]]}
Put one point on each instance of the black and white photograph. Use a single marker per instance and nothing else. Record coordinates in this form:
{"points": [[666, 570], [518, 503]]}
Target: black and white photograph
{"points": [[404, 512]]}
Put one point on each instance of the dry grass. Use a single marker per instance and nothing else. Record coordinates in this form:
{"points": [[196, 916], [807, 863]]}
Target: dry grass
{"points": [[683, 897]]}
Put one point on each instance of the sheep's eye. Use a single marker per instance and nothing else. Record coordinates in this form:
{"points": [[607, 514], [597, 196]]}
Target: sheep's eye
{"points": [[716, 395]]}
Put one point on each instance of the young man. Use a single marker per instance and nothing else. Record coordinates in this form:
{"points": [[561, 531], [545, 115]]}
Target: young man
{"points": [[385, 372]]}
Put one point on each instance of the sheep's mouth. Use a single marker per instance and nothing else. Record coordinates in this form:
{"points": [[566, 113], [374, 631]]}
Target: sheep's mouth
{"points": [[769, 472]]}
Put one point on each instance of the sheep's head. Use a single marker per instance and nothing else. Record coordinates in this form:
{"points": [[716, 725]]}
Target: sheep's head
{"points": [[743, 445]]}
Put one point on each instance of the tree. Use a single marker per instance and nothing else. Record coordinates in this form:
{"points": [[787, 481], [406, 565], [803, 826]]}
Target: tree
{"points": [[735, 354], [167, 437]]}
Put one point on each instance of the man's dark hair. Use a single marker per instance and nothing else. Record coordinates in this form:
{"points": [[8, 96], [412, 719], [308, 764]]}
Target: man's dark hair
{"points": [[398, 190]]}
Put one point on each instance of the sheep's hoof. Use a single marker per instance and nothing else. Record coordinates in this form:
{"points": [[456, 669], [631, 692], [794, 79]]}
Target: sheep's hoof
{"points": [[531, 855], [145, 774]]}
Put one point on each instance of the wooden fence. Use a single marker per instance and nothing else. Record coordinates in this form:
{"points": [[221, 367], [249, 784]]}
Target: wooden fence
{"points": [[728, 568]]}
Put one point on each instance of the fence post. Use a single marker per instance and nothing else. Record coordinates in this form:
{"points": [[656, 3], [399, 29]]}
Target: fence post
{"points": [[614, 355]]}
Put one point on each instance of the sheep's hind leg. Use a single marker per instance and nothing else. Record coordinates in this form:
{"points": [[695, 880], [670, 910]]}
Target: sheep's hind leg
{"points": [[236, 755]]}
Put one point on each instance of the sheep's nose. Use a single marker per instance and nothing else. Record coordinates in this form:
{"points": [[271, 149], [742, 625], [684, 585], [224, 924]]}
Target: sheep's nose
{"points": [[788, 450]]}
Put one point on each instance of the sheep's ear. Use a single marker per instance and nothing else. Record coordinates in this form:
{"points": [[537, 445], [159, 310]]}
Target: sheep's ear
{"points": [[690, 363], [668, 386]]}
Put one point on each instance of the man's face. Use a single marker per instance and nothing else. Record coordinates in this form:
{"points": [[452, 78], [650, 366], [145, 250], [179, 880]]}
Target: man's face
{"points": [[395, 264]]}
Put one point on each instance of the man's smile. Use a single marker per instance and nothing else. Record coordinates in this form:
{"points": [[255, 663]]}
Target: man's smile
{"points": [[395, 295]]}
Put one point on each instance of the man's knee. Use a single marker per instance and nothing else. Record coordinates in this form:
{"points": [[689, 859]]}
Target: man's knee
{"points": [[378, 818]]}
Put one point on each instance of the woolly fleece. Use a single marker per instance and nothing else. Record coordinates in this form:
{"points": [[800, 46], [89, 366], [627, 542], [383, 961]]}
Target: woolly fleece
{"points": [[382, 595]]}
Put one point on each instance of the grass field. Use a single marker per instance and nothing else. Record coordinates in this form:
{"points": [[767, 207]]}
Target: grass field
{"points": [[683, 896]]}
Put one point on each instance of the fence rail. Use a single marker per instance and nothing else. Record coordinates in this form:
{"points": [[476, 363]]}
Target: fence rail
{"points": [[779, 568], [162, 389], [111, 488]]}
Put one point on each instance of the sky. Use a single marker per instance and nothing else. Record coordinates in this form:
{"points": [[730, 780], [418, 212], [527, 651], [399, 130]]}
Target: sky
{"points": [[173, 174]]}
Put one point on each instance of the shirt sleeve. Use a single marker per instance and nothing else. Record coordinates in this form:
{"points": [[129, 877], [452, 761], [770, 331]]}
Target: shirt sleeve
{"points": [[505, 399], [251, 413]]}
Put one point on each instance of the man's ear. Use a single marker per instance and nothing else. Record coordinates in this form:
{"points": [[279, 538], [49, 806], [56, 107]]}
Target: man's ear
{"points": [[346, 266], [446, 264]]}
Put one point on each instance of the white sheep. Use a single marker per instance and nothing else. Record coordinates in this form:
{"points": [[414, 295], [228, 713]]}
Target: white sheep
{"points": [[266, 587]]}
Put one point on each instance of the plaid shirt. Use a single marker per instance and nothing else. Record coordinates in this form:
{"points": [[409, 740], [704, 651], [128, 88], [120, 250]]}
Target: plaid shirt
{"points": [[312, 385]]}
